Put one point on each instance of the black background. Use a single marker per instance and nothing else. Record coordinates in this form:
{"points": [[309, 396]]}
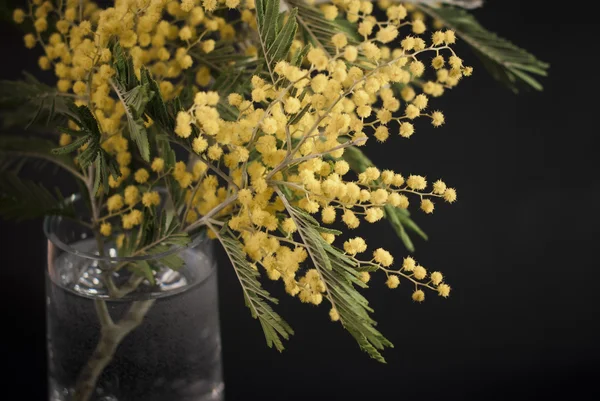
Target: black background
{"points": [[519, 249]]}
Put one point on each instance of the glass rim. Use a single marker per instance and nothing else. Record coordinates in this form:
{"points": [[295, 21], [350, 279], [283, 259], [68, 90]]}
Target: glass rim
{"points": [[53, 220]]}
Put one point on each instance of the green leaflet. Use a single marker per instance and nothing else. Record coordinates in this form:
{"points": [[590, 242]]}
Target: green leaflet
{"points": [[135, 101], [274, 327], [275, 36], [134, 96], [90, 137], [22, 199], [156, 107], [33, 99], [317, 30], [143, 269], [13, 148], [340, 275], [399, 219], [507, 63]]}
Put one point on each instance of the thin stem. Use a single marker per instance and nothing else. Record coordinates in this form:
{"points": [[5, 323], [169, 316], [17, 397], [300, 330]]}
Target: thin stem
{"points": [[204, 220], [110, 338]]}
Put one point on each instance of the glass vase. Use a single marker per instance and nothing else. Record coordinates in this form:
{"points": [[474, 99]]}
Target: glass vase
{"points": [[150, 339]]}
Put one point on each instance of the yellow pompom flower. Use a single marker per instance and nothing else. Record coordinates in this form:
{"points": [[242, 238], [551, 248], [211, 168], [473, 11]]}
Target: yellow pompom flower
{"points": [[437, 38], [364, 277], [40, 24], [18, 16], [341, 167], [334, 315], [214, 152], [449, 37], [383, 257], [187, 5], [418, 26], [132, 219], [450, 195], [330, 12], [289, 225], [44, 63], [350, 53], [292, 105], [339, 40], [151, 198], [427, 206], [406, 130], [158, 165], [245, 196], [416, 182], [371, 51], [408, 43], [439, 187], [382, 133], [132, 195], [417, 68], [355, 245], [443, 290], [105, 229], [409, 264], [437, 118], [398, 180], [421, 101], [436, 278], [418, 296], [185, 33], [80, 88], [437, 62], [208, 46], [350, 219], [183, 127], [234, 99], [199, 144], [114, 203], [328, 215], [269, 125], [420, 272], [392, 282], [30, 41], [141, 176], [412, 111], [387, 34]]}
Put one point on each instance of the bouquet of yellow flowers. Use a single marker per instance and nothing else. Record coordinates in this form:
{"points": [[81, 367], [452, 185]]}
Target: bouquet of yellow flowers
{"points": [[244, 120]]}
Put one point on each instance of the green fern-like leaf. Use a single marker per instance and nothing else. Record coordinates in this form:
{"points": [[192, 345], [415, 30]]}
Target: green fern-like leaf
{"points": [[17, 149], [134, 96], [26, 101], [89, 137], [340, 275], [134, 102], [256, 297], [275, 36], [22, 199], [317, 30], [506, 62]]}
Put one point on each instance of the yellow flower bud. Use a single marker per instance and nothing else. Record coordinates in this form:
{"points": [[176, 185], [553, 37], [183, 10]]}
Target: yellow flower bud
{"points": [[418, 296], [392, 282]]}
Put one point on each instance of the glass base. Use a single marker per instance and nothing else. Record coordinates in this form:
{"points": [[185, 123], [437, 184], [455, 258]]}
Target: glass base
{"points": [[201, 391], [174, 354]]}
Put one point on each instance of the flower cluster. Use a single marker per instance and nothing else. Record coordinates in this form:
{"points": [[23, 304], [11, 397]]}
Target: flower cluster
{"points": [[286, 146]]}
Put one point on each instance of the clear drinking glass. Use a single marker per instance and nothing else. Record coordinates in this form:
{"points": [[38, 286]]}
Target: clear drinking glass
{"points": [[150, 342]]}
